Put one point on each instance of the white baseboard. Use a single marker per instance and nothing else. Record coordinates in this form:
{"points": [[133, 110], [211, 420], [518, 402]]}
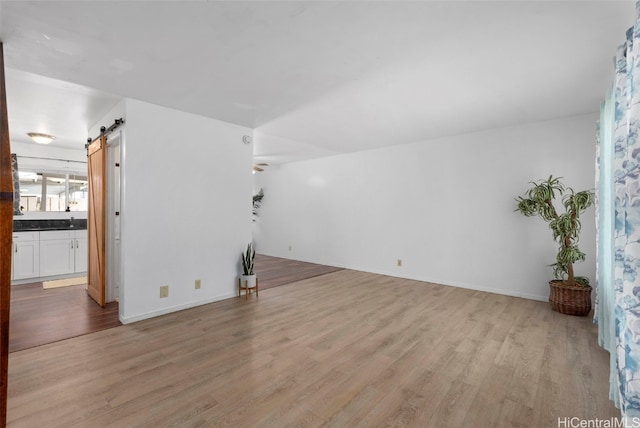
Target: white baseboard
{"points": [[168, 310], [461, 285]]}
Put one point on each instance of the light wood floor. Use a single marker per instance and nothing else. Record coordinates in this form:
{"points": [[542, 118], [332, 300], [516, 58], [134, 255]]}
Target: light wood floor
{"points": [[340, 350]]}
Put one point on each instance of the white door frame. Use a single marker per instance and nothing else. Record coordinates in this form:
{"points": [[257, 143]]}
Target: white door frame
{"points": [[113, 220]]}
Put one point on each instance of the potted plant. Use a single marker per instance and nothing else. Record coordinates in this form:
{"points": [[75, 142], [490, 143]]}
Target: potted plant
{"points": [[569, 294], [248, 277]]}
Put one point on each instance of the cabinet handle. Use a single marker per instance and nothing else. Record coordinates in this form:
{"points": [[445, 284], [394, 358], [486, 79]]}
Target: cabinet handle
{"points": [[72, 245], [76, 243], [16, 245]]}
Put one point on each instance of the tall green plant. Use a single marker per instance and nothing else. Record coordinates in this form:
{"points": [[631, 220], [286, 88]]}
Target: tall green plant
{"points": [[564, 226], [257, 201], [248, 258]]}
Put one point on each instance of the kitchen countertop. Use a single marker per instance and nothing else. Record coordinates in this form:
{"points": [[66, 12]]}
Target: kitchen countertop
{"points": [[42, 229], [50, 224]]}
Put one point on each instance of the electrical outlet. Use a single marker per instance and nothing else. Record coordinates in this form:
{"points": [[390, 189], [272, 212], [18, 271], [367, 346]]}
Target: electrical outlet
{"points": [[399, 263], [164, 291], [198, 284]]}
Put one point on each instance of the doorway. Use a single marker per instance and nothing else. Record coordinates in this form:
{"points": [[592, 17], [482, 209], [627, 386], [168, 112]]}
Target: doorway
{"points": [[41, 316]]}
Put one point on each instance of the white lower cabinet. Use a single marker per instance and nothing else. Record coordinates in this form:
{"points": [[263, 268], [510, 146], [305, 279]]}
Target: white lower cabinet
{"points": [[63, 252], [57, 252], [25, 261], [48, 253], [82, 252]]}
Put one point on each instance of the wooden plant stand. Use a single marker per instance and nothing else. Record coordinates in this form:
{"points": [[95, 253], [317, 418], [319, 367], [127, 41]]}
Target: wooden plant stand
{"points": [[246, 288]]}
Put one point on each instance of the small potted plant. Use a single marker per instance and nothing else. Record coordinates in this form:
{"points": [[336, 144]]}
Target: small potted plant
{"points": [[569, 294], [248, 277]]}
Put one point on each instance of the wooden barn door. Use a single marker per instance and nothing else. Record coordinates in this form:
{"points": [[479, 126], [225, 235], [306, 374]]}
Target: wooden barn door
{"points": [[96, 225]]}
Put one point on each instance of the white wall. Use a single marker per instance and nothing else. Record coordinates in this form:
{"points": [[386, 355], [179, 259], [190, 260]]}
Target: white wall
{"points": [[445, 207], [186, 208]]}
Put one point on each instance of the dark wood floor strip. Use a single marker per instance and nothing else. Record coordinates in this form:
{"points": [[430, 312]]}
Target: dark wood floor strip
{"points": [[40, 316], [275, 271]]}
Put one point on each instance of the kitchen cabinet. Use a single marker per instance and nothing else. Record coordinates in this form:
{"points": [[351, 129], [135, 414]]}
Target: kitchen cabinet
{"points": [[63, 252], [81, 253], [57, 252], [25, 260]]}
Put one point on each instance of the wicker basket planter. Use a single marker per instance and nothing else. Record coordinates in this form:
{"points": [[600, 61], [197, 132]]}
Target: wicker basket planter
{"points": [[569, 299]]}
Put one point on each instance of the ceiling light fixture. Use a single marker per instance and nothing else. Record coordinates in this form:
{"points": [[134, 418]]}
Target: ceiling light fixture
{"points": [[41, 138]]}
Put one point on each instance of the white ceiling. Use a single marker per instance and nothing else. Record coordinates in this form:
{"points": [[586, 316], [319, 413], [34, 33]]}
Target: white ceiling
{"points": [[65, 110], [313, 78]]}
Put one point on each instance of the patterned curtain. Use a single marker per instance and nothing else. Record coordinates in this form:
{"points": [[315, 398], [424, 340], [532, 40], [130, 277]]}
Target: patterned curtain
{"points": [[605, 292], [618, 284]]}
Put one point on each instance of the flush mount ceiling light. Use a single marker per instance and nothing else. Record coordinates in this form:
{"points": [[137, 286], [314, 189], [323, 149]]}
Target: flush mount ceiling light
{"points": [[40, 138]]}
